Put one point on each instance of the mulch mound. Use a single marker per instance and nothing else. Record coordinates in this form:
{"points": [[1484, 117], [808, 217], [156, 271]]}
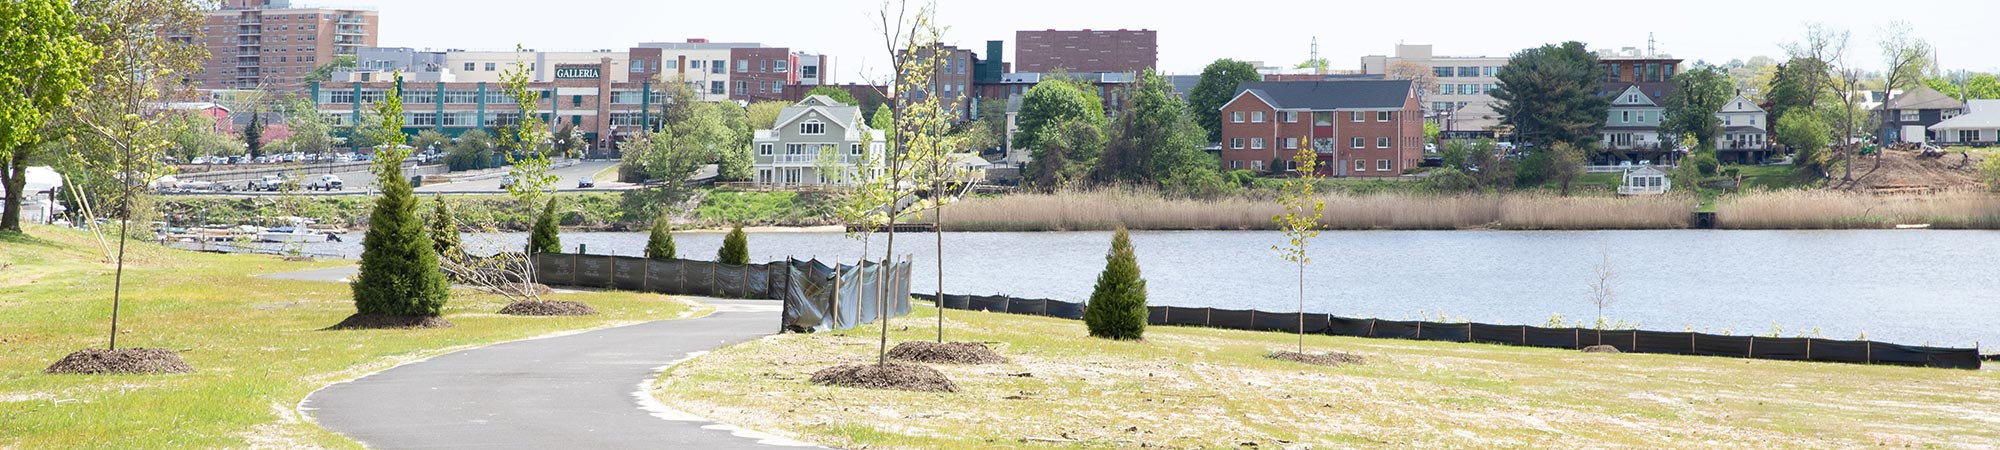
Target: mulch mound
{"points": [[905, 377], [945, 353], [1601, 349], [548, 308], [388, 322], [121, 361], [1318, 359]]}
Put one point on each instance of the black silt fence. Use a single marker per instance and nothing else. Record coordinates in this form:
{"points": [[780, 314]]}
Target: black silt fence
{"points": [[1630, 341]]}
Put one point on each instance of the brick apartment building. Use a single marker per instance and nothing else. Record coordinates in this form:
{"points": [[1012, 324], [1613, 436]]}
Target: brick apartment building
{"points": [[1086, 50], [271, 45], [1359, 128]]}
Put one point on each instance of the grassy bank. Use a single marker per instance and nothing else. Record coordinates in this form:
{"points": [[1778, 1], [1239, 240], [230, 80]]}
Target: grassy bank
{"points": [[254, 343], [1202, 388], [1106, 209], [1843, 210]]}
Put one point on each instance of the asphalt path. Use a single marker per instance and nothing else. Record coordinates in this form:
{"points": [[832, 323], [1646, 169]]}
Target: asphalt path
{"points": [[586, 390]]}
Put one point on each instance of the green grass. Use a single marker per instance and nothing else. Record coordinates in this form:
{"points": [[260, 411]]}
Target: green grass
{"points": [[255, 344], [763, 208], [1203, 388], [1768, 178]]}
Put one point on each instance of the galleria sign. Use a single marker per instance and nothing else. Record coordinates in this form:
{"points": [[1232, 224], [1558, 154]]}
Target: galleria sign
{"points": [[577, 72]]}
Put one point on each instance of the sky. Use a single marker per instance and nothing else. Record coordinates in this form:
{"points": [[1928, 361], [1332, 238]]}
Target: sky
{"points": [[1277, 32]]}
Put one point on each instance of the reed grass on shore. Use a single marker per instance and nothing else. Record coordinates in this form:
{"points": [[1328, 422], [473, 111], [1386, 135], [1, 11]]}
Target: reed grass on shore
{"points": [[1847, 210], [1108, 209]]}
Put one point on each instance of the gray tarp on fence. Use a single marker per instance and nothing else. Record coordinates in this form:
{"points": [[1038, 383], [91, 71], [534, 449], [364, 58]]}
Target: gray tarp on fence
{"points": [[1633, 341], [808, 288]]}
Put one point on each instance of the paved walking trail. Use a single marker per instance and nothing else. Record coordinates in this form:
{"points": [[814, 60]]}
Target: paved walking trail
{"points": [[585, 390]]}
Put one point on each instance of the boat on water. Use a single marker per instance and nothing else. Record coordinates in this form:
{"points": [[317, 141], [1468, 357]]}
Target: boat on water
{"points": [[297, 232]]}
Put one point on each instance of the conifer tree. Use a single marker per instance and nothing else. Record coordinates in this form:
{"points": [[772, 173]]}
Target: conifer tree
{"points": [[661, 244], [444, 231], [1117, 308], [735, 248], [544, 238], [399, 269]]}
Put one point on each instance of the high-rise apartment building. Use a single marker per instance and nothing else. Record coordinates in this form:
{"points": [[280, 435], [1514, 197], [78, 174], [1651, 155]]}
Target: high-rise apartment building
{"points": [[270, 44], [1460, 104]]}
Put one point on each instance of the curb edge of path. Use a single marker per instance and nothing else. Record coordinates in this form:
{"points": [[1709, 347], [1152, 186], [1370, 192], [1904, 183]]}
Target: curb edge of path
{"points": [[301, 410], [652, 406]]}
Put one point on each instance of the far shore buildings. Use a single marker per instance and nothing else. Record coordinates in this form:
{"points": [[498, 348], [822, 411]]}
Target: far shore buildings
{"points": [[1911, 114], [1980, 126], [1461, 104], [1745, 132], [1360, 128], [814, 133]]}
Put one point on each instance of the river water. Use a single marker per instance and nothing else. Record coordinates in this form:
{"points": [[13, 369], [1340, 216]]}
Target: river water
{"points": [[1914, 287]]}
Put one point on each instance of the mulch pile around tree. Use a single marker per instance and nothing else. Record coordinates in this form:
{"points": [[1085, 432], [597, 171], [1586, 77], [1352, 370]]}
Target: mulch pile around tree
{"points": [[945, 353], [1318, 359], [1601, 349], [905, 377], [548, 308], [388, 322], [121, 361]]}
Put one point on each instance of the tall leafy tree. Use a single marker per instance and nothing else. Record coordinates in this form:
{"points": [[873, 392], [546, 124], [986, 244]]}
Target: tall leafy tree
{"points": [[1217, 86], [1153, 137], [1303, 209], [1795, 85], [399, 264], [1068, 153], [1690, 108], [1905, 60], [1566, 163], [1805, 134], [310, 131], [1549, 94], [46, 60], [1054, 100]]}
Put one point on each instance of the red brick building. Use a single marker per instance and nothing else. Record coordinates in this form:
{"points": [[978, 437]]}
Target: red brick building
{"points": [[1082, 51], [270, 44], [1362, 128], [761, 73]]}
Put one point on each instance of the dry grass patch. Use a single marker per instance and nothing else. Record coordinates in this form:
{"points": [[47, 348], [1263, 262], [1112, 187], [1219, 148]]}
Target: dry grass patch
{"points": [[1141, 210], [1202, 388], [1818, 209]]}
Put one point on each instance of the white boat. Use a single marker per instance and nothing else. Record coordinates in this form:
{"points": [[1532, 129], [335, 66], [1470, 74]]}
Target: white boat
{"points": [[297, 232]]}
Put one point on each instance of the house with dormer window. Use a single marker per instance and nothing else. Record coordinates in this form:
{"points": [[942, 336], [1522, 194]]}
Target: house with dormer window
{"points": [[1633, 124], [816, 132]]}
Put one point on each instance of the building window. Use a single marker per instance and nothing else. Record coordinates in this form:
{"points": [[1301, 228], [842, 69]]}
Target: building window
{"points": [[1910, 115], [1235, 164], [1289, 116], [1382, 165], [718, 66], [779, 65], [742, 87], [468, 67], [716, 88], [1381, 142], [1354, 116], [1236, 117], [1361, 165], [813, 127], [1357, 143], [1384, 116], [1256, 143], [576, 100], [795, 149], [1256, 117], [742, 65], [695, 64], [1291, 143], [1256, 164], [854, 149], [1323, 118], [1468, 71], [489, 67], [1236, 143], [1625, 116], [1441, 72]]}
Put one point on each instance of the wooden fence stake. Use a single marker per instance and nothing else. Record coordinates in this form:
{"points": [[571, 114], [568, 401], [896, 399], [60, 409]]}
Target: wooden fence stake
{"points": [[1524, 335], [572, 270], [1752, 352], [1420, 329], [1809, 349], [1371, 327]]}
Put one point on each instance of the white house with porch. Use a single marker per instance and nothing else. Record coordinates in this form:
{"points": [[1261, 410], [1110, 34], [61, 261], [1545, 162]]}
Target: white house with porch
{"points": [[1645, 180], [814, 133], [1745, 128]]}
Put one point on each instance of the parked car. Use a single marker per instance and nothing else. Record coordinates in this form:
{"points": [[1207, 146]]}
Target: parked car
{"points": [[506, 181], [271, 183], [328, 182], [585, 182]]}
